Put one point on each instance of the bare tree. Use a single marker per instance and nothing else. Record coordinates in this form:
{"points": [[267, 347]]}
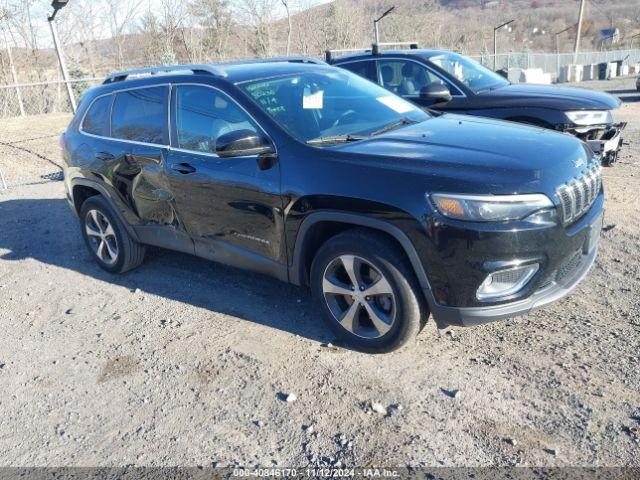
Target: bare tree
{"points": [[165, 30], [121, 18], [285, 4], [5, 15], [258, 15], [214, 20]]}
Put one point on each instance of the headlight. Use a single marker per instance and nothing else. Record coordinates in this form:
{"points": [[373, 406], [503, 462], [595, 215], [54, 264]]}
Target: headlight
{"points": [[590, 117], [490, 208]]}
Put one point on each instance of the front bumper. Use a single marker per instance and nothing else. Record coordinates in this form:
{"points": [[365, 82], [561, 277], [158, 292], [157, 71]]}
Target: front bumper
{"points": [[565, 258], [467, 317], [605, 140]]}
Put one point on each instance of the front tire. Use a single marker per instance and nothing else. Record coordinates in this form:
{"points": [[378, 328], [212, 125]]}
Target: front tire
{"points": [[106, 238], [367, 291]]}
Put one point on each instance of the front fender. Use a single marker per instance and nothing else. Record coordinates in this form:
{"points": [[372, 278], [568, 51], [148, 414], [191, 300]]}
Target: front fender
{"points": [[298, 273]]}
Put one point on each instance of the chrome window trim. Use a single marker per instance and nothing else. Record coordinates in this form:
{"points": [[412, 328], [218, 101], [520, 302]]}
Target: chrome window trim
{"points": [[122, 140], [460, 94], [225, 94], [86, 112], [169, 118]]}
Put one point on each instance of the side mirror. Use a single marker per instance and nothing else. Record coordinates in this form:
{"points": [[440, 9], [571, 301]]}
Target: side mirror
{"points": [[435, 93], [242, 143]]}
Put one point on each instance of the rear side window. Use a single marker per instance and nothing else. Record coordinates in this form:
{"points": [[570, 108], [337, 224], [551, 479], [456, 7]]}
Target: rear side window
{"points": [[363, 68], [96, 122], [140, 115]]}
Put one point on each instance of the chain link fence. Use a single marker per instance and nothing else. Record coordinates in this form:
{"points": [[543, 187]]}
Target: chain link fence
{"points": [[41, 97], [51, 97], [552, 62]]}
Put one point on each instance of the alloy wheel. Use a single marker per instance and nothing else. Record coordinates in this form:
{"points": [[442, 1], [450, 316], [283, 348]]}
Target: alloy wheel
{"points": [[102, 237], [359, 296]]}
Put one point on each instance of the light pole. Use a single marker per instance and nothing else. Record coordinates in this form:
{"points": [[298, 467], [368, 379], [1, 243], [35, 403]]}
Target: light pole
{"points": [[57, 5], [375, 23], [495, 42]]}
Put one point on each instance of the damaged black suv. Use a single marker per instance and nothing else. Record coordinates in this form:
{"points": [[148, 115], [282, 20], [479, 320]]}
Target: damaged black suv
{"points": [[315, 176], [449, 82]]}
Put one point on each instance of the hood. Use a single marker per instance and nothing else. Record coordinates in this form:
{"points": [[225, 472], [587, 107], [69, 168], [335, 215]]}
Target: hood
{"points": [[546, 96], [464, 154]]}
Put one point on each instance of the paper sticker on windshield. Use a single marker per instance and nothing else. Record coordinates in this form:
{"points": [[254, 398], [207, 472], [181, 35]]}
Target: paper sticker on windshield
{"points": [[395, 103], [312, 101]]}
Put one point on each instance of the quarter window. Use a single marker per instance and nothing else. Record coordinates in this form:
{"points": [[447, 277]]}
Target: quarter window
{"points": [[203, 115], [140, 115], [96, 122], [363, 68]]}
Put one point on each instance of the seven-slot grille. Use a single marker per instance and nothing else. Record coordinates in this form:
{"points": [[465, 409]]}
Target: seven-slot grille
{"points": [[577, 196]]}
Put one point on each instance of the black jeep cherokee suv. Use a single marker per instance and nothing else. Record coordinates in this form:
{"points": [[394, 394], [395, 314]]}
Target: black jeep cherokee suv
{"points": [[315, 176]]}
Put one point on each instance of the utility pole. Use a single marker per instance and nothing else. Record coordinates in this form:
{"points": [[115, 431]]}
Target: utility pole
{"points": [[558, 47], [375, 23], [57, 5], [495, 42], [578, 32]]}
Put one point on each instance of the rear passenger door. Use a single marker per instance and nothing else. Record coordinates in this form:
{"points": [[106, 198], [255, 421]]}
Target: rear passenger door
{"points": [[97, 148], [231, 207], [140, 118]]}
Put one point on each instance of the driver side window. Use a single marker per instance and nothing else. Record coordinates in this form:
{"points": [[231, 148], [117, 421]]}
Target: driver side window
{"points": [[405, 77], [203, 115]]}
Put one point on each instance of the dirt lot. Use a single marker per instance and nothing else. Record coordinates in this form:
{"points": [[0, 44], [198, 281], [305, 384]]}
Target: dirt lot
{"points": [[185, 362]]}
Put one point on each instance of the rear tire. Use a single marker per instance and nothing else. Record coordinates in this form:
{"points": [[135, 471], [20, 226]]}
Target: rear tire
{"points": [[367, 291], [106, 237]]}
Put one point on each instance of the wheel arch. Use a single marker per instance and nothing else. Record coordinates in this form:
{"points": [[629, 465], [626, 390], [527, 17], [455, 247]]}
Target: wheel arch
{"points": [[82, 189], [320, 226]]}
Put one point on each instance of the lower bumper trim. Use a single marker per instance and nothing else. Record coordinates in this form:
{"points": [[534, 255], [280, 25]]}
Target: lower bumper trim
{"points": [[469, 316]]}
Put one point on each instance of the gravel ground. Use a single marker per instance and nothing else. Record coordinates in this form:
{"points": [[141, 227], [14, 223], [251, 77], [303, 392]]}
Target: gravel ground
{"points": [[185, 362]]}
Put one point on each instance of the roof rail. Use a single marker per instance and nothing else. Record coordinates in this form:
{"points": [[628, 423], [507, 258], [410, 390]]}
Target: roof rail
{"points": [[329, 54], [290, 59], [375, 49], [196, 69]]}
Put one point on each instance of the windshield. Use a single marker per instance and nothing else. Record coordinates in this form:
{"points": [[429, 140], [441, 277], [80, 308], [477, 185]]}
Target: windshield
{"points": [[478, 78], [332, 106]]}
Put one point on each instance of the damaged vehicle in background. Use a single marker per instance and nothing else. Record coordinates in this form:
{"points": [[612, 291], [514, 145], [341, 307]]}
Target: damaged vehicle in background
{"points": [[450, 82]]}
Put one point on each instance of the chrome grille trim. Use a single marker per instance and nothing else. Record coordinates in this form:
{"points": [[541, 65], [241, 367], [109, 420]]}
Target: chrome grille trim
{"points": [[577, 195]]}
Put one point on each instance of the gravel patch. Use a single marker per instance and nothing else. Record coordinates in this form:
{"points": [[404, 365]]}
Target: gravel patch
{"points": [[185, 362]]}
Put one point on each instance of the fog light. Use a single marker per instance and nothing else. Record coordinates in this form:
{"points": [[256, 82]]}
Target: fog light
{"points": [[506, 282]]}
